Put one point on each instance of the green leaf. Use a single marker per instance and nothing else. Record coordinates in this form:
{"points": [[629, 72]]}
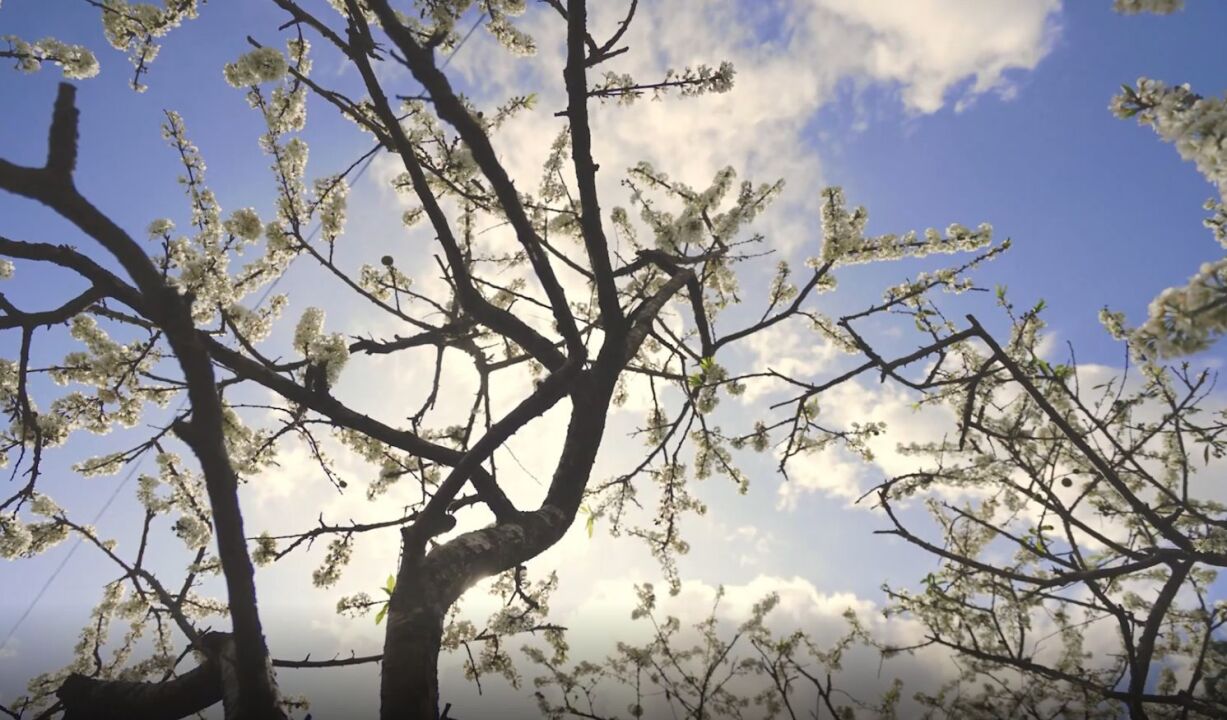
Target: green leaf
{"points": [[383, 611], [591, 524], [390, 585]]}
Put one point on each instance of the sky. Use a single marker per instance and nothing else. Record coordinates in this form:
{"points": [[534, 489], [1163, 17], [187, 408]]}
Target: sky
{"points": [[926, 112]]}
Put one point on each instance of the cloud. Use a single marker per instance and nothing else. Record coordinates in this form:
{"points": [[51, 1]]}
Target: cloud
{"points": [[802, 606], [757, 544], [930, 47], [833, 471], [786, 348]]}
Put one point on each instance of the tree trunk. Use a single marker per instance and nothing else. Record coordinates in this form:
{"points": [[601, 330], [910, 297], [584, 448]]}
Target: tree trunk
{"points": [[426, 586], [409, 687]]}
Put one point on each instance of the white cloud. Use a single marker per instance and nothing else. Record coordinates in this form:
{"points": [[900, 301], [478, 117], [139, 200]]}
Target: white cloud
{"points": [[929, 47], [756, 544], [832, 471], [802, 606], [796, 352]]}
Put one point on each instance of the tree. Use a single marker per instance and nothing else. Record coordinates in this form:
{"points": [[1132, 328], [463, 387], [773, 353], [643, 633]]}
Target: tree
{"points": [[178, 325], [1182, 320], [1089, 498], [1077, 514]]}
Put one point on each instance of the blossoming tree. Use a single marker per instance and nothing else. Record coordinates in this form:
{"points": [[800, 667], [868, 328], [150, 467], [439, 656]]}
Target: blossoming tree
{"points": [[173, 338], [1079, 519], [1078, 516], [1183, 320], [1064, 502]]}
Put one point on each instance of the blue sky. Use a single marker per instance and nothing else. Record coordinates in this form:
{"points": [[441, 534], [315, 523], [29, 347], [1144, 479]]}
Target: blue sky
{"points": [[1101, 212]]}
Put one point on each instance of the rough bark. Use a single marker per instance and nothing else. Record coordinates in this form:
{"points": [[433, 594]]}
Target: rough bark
{"points": [[86, 698], [409, 686]]}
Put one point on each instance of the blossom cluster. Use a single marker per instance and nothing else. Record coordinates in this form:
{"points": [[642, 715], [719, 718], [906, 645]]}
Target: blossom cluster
{"points": [[1196, 125], [339, 553], [113, 369], [186, 495], [331, 198], [261, 65], [705, 220], [844, 241], [329, 352], [18, 539], [133, 28], [76, 61], [1189, 318]]}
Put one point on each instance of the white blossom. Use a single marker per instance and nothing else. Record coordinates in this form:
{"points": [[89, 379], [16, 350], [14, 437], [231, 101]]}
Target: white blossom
{"points": [[45, 506], [245, 223], [308, 329], [261, 65], [265, 551], [1189, 318], [160, 227], [255, 325], [146, 492], [195, 533], [339, 552], [46, 535], [133, 29], [328, 351], [1196, 125], [844, 241], [332, 352], [76, 61], [15, 538], [332, 194]]}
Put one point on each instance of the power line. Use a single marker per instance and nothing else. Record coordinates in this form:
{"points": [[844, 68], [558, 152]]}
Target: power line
{"points": [[463, 40], [72, 550], [141, 460]]}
